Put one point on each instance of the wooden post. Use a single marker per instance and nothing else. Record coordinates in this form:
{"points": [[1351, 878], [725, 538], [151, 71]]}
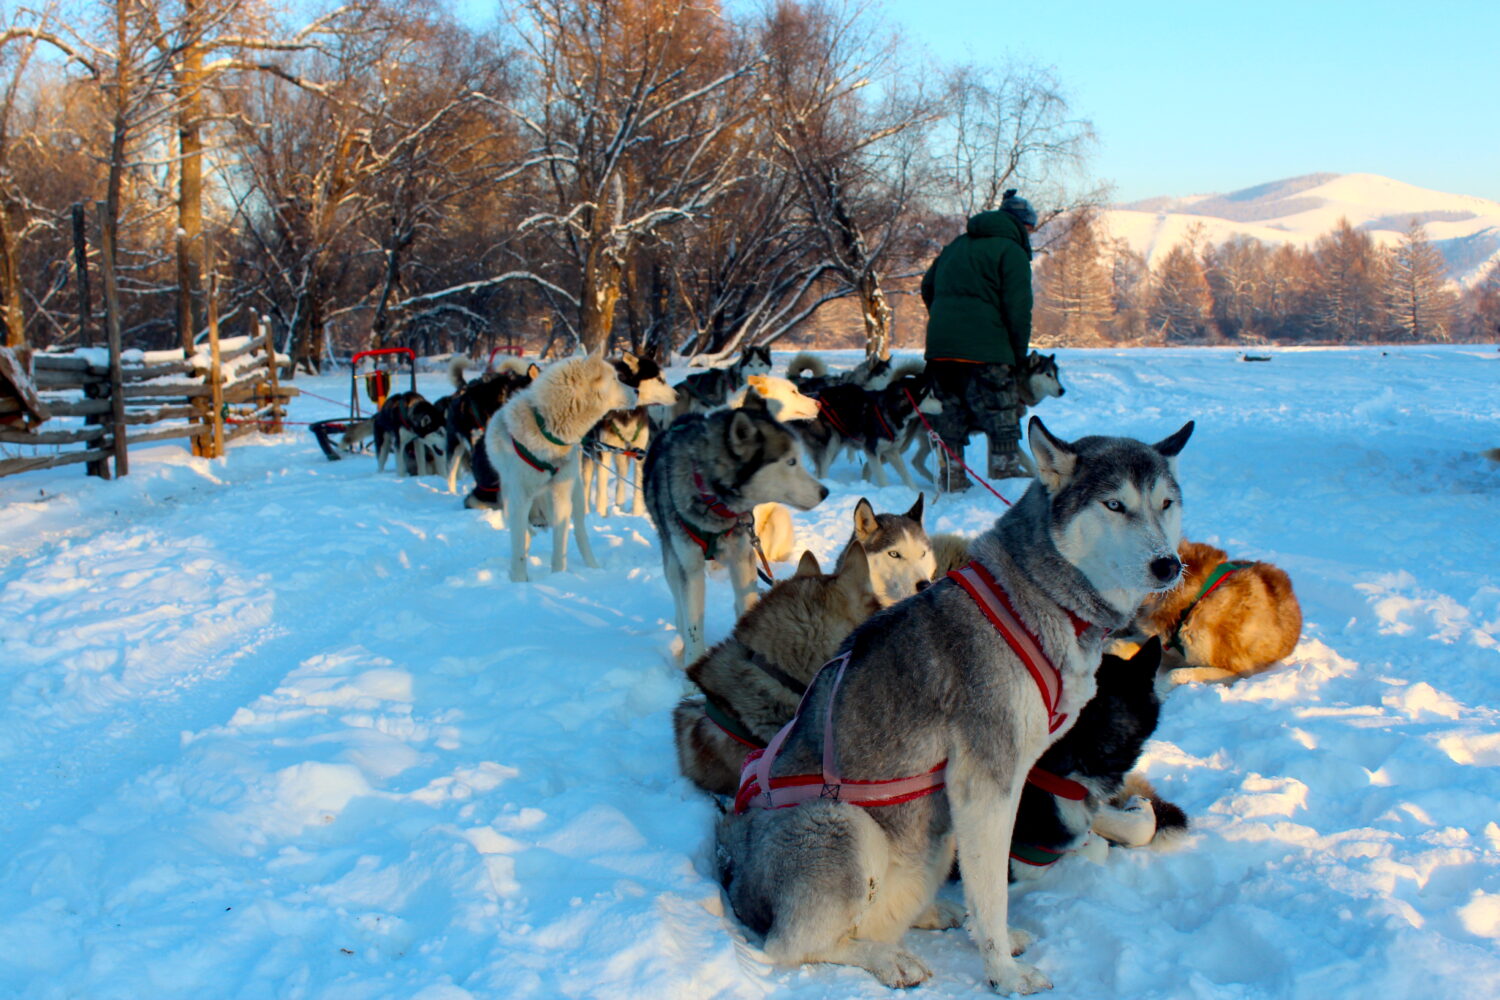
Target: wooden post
{"points": [[277, 414], [112, 328], [99, 467], [215, 378]]}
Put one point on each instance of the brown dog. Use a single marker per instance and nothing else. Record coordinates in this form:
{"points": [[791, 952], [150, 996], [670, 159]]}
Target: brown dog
{"points": [[1227, 626], [751, 683]]}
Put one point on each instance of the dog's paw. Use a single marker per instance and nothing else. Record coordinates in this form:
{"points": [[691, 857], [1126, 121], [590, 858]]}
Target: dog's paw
{"points": [[898, 968], [1018, 978], [942, 915], [1019, 940]]}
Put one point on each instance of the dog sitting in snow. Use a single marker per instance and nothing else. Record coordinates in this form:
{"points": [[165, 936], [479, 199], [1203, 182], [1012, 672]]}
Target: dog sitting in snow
{"points": [[1224, 620]]}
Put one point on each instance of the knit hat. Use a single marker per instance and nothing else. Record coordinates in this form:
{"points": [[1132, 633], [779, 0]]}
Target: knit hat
{"points": [[1019, 207]]}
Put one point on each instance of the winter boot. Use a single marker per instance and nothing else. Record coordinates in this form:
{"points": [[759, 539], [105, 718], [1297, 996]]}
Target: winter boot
{"points": [[1007, 465], [951, 476]]}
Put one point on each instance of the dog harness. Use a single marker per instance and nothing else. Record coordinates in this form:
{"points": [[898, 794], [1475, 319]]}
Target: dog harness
{"points": [[759, 790], [733, 726], [995, 604], [539, 464], [1221, 571], [708, 541]]}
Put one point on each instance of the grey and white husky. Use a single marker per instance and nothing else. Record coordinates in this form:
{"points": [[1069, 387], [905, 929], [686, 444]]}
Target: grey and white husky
{"points": [[930, 697], [900, 554], [704, 475]]}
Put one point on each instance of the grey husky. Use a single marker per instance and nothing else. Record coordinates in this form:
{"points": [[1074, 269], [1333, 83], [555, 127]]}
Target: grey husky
{"points": [[704, 476], [931, 699]]}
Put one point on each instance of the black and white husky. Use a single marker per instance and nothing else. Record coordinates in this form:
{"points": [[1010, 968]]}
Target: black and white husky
{"points": [[703, 391], [1079, 786], [617, 444], [919, 735], [704, 476]]}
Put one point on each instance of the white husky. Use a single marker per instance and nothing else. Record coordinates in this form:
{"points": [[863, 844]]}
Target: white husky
{"points": [[533, 443]]}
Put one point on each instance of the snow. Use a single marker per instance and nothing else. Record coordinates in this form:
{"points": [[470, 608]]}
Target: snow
{"points": [[273, 726], [1464, 228]]}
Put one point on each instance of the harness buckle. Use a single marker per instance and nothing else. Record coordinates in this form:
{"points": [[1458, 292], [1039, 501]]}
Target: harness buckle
{"points": [[830, 792]]}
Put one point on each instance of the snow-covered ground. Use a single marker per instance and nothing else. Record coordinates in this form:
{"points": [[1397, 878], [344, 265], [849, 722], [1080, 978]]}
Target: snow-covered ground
{"points": [[273, 726]]}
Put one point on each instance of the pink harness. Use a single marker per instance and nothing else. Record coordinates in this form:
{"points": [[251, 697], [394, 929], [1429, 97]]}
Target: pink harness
{"points": [[761, 791]]}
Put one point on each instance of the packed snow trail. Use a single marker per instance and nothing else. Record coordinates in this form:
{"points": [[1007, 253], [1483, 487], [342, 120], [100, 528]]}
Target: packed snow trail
{"points": [[279, 727]]}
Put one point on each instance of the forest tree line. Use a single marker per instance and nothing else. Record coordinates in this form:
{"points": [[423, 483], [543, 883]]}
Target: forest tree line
{"points": [[1342, 288], [657, 174], [666, 175]]}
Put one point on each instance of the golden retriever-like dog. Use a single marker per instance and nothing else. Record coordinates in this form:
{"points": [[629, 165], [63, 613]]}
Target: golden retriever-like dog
{"points": [[1246, 621]]}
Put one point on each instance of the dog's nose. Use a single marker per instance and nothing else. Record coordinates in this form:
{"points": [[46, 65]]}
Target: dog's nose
{"points": [[923, 585], [1061, 392], [822, 493], [1166, 568]]}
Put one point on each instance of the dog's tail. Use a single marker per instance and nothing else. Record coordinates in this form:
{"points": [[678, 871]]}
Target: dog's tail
{"points": [[911, 366], [456, 365], [806, 363], [1492, 454], [514, 365]]}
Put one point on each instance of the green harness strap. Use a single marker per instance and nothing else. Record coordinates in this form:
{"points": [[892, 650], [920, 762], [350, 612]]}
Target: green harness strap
{"points": [[541, 426], [708, 541], [1214, 579], [731, 725]]}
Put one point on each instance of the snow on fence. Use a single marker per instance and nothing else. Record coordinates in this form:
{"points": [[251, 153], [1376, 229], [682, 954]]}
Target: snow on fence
{"points": [[94, 406]]}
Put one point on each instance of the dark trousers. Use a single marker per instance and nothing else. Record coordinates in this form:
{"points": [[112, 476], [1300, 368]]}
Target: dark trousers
{"points": [[977, 397]]}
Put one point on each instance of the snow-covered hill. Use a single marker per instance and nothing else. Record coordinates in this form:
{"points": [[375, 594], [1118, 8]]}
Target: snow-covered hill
{"points": [[1300, 209]]}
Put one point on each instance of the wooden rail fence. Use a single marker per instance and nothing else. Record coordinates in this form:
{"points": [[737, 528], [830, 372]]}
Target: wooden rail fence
{"points": [[221, 393]]}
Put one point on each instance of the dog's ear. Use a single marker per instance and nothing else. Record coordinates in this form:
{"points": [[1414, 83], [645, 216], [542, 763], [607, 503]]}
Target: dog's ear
{"points": [[1056, 461], [865, 524], [1172, 446], [1147, 660], [853, 571], [742, 433], [916, 509], [631, 361], [808, 565], [533, 370]]}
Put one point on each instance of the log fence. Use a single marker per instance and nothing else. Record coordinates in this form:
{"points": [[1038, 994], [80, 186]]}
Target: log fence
{"points": [[225, 391]]}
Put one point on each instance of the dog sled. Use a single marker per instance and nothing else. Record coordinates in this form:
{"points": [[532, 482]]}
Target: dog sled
{"points": [[382, 368]]}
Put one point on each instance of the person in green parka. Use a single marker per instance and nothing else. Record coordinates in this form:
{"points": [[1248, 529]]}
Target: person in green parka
{"points": [[978, 296]]}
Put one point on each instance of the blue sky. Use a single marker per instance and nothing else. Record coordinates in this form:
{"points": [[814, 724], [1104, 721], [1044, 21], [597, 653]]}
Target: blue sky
{"points": [[1202, 97]]}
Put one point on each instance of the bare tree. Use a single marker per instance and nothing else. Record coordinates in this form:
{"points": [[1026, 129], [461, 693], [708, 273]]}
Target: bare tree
{"points": [[1418, 299], [1013, 127]]}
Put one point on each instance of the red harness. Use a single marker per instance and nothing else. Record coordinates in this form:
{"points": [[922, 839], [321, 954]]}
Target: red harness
{"points": [[758, 789]]}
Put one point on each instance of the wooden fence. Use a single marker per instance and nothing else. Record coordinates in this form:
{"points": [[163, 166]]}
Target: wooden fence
{"points": [[223, 392]]}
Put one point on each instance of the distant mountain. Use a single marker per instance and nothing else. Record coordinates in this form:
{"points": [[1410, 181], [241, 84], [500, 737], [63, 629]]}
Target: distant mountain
{"points": [[1300, 209]]}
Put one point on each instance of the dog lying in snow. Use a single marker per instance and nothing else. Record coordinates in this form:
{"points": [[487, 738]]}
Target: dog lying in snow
{"points": [[1079, 785], [748, 685], [1223, 620]]}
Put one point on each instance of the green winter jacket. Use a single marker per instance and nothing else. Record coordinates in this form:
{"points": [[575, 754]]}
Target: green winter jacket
{"points": [[978, 293]]}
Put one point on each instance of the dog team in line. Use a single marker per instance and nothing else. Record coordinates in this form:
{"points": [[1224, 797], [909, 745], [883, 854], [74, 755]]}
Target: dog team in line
{"points": [[933, 707]]}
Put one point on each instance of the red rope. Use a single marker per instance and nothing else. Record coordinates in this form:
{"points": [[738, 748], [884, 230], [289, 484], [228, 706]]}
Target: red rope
{"points": [[934, 436]]}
